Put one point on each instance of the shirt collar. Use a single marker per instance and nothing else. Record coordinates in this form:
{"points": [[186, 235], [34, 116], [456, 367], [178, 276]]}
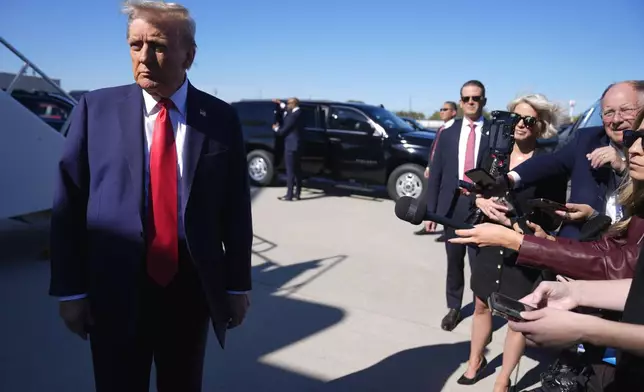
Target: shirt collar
{"points": [[179, 99], [477, 122], [448, 123]]}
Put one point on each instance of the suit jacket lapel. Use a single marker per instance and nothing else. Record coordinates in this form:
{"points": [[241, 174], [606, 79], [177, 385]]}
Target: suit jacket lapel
{"points": [[484, 143], [132, 133], [195, 116]]}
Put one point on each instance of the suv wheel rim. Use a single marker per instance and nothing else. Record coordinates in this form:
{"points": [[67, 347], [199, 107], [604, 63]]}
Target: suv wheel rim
{"points": [[409, 184], [257, 168]]}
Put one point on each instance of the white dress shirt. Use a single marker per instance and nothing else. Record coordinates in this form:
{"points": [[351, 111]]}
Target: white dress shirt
{"points": [[462, 143], [151, 110], [448, 123]]}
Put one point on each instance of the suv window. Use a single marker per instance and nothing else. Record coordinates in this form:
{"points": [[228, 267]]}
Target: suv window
{"points": [[309, 116], [593, 117], [256, 114], [347, 120]]}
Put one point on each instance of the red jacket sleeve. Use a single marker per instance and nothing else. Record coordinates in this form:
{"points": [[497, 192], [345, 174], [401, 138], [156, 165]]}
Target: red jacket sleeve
{"points": [[611, 257]]}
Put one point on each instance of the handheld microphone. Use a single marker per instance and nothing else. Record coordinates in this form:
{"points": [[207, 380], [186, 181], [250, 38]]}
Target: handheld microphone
{"points": [[415, 212]]}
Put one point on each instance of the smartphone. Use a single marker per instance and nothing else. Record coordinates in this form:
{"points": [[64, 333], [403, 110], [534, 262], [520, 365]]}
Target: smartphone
{"points": [[548, 205], [508, 308], [480, 177]]}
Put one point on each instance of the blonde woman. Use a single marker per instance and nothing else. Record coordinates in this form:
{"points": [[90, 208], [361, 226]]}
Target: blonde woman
{"points": [[494, 270]]}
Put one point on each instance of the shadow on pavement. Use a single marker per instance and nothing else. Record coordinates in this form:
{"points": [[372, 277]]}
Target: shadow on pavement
{"points": [[414, 370], [39, 354]]}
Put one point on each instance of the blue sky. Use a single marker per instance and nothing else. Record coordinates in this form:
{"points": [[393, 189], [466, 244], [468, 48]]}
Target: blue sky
{"points": [[389, 52]]}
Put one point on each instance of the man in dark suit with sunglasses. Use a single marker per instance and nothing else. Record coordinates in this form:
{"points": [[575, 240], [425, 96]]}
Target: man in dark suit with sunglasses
{"points": [[459, 149]]}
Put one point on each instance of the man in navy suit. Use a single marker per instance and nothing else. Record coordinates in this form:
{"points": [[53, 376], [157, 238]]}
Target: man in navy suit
{"points": [[290, 132], [460, 148], [151, 226], [594, 160]]}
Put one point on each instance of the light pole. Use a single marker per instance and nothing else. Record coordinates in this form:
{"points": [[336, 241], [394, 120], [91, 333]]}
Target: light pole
{"points": [[571, 104]]}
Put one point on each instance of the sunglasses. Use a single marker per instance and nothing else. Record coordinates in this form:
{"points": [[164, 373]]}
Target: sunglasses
{"points": [[444, 109], [630, 137], [528, 121], [475, 98]]}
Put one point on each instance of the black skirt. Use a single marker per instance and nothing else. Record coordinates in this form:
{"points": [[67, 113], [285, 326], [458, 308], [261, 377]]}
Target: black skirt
{"points": [[493, 270]]}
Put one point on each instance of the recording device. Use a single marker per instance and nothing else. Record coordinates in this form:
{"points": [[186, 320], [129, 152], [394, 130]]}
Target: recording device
{"points": [[415, 212], [481, 178], [501, 142], [547, 205], [508, 308]]}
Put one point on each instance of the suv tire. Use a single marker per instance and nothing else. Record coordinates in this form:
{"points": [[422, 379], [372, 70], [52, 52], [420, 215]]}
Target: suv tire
{"points": [[261, 167], [407, 180]]}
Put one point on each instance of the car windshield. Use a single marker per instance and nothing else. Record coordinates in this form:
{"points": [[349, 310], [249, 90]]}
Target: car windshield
{"points": [[387, 119]]}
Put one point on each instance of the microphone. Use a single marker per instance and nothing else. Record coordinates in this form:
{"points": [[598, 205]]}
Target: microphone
{"points": [[415, 212]]}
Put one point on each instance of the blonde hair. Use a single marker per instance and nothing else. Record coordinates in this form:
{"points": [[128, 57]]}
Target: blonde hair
{"points": [[549, 113], [631, 193], [160, 11]]}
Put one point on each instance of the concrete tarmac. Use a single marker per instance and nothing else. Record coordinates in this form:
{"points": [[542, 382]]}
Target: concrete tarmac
{"points": [[345, 298]]}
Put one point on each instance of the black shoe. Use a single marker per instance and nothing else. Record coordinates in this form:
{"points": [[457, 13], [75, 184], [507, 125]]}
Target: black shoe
{"points": [[422, 231], [441, 238], [297, 197], [286, 198], [451, 320], [479, 373]]}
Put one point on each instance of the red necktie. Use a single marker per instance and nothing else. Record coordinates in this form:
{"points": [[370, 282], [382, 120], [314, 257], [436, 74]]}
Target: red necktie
{"points": [[163, 238], [438, 134], [470, 159]]}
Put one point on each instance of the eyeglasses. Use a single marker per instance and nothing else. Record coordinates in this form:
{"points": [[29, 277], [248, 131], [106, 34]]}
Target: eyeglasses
{"points": [[475, 98], [627, 113], [528, 121], [630, 137]]}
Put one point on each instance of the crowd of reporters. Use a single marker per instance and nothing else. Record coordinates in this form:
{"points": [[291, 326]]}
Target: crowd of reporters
{"points": [[577, 264]]}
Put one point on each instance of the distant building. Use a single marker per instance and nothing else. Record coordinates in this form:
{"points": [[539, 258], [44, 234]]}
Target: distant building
{"points": [[28, 83]]}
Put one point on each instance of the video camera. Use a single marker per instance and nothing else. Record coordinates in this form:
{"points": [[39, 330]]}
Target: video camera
{"points": [[491, 178]]}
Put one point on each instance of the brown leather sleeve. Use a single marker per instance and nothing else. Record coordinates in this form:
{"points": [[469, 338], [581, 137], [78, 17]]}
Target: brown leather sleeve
{"points": [[606, 259]]}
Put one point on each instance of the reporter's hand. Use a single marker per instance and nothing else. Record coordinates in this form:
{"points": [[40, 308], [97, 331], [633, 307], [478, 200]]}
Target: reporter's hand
{"points": [[560, 295], [576, 212], [489, 234], [551, 327], [426, 173], [539, 232], [238, 304], [490, 207], [77, 316], [606, 155]]}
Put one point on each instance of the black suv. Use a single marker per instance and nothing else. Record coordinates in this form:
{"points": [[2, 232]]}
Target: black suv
{"points": [[344, 142]]}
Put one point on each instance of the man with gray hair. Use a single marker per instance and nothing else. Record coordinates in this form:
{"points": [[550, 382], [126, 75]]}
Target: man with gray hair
{"points": [[151, 226], [593, 160]]}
